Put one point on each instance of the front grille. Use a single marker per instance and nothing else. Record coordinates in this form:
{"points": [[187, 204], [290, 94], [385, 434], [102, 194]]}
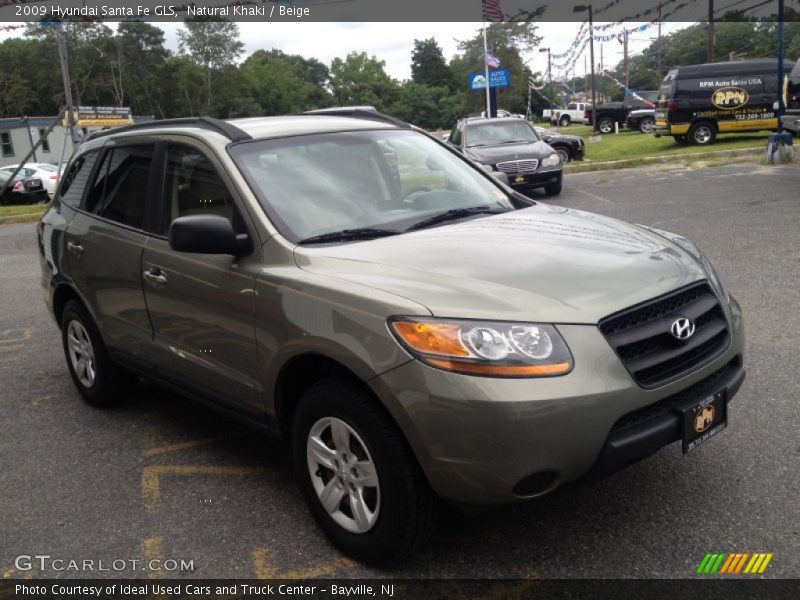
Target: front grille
{"points": [[518, 166], [641, 335], [704, 387]]}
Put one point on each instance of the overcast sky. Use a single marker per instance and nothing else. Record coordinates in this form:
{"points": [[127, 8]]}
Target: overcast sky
{"points": [[393, 42]]}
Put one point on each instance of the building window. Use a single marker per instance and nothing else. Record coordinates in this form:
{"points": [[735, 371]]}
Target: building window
{"points": [[45, 142], [5, 142]]}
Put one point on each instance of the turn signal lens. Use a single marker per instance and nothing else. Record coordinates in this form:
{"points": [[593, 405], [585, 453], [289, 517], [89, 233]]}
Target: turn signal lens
{"points": [[490, 348]]}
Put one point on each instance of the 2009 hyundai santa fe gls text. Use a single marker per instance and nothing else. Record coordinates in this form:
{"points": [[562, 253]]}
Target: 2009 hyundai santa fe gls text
{"points": [[414, 327]]}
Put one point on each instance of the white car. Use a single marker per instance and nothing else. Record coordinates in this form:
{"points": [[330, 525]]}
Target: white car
{"points": [[46, 172]]}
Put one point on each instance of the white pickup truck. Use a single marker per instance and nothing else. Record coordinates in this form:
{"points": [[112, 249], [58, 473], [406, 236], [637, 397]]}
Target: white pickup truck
{"points": [[565, 116]]}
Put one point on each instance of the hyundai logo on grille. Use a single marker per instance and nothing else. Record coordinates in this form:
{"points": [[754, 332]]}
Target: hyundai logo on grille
{"points": [[682, 328]]}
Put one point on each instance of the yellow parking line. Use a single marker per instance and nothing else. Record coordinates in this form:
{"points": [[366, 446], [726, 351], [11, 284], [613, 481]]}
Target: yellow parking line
{"points": [[9, 573], [37, 401], [150, 451], [10, 349], [20, 335], [151, 477], [153, 549], [266, 569]]}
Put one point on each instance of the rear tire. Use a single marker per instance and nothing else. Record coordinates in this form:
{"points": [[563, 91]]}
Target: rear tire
{"points": [[373, 518], [565, 121], [101, 382], [647, 125], [702, 133]]}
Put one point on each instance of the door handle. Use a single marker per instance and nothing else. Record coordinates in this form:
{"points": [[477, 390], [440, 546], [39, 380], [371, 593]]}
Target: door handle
{"points": [[76, 249], [155, 276]]}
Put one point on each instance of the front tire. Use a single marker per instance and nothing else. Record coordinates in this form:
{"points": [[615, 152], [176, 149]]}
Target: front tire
{"points": [[563, 153], [98, 379], [357, 474], [552, 189]]}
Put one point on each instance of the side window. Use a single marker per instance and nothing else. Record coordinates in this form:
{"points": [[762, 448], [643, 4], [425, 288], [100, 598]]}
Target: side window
{"points": [[74, 181], [194, 187], [455, 136], [119, 192], [572, 106]]}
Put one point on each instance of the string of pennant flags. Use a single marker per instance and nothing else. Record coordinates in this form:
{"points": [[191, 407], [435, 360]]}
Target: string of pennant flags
{"points": [[628, 91]]}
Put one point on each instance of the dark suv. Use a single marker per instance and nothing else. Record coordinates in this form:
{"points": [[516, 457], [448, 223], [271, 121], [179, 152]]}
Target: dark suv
{"points": [[412, 326], [511, 146]]}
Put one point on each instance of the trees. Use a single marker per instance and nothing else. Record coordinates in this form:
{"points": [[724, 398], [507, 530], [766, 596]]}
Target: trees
{"points": [[211, 44], [360, 79], [428, 66]]}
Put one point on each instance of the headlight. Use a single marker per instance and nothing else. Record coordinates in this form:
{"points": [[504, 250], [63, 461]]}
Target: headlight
{"points": [[551, 161], [492, 348]]}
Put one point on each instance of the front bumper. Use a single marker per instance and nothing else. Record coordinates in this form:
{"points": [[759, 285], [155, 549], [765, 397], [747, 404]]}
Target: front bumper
{"points": [[529, 181], [483, 441]]}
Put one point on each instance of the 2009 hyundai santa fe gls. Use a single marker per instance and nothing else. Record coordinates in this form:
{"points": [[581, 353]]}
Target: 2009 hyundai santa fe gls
{"points": [[413, 326]]}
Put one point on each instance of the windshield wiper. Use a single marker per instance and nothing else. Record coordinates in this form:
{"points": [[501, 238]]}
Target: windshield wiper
{"points": [[345, 235], [452, 215]]}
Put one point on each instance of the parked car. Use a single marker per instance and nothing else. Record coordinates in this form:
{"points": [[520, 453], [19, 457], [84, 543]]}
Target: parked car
{"points": [[22, 190], [643, 119], [573, 113], [43, 171], [511, 146], [617, 112], [568, 147], [414, 332], [698, 102]]}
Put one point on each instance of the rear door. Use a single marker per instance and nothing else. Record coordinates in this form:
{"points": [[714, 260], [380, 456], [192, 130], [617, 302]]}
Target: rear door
{"points": [[201, 305], [104, 244]]}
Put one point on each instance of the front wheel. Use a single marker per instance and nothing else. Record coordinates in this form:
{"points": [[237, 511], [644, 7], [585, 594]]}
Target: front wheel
{"points": [[552, 189], [702, 134], [357, 474], [605, 125], [563, 153]]}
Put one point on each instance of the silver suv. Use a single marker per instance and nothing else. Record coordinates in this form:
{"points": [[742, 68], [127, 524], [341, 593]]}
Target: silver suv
{"points": [[416, 329]]}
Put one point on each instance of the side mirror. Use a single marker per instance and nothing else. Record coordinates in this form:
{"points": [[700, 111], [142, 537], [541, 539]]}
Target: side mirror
{"points": [[501, 177], [205, 234]]}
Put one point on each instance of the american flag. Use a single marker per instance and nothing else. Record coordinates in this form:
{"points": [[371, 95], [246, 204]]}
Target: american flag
{"points": [[491, 60], [491, 10]]}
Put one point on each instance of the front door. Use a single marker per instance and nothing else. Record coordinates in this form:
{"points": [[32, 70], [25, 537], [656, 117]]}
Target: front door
{"points": [[201, 305]]}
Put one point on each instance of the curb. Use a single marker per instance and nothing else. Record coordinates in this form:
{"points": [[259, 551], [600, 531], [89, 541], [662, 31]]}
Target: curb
{"points": [[755, 152]]}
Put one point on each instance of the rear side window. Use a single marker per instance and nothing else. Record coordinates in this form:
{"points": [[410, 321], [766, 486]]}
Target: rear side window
{"points": [[119, 192], [74, 181]]}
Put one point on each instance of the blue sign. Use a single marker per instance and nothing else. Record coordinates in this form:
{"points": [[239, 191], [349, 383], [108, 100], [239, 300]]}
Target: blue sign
{"points": [[497, 79]]}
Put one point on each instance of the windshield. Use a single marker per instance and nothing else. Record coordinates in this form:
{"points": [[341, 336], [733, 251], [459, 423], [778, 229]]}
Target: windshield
{"points": [[503, 132], [384, 181]]}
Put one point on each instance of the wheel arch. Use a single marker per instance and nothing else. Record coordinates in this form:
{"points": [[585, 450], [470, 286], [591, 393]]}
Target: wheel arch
{"points": [[63, 293]]}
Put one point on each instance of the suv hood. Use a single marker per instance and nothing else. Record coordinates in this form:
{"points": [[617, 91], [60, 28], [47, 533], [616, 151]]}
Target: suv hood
{"points": [[501, 152], [542, 263]]}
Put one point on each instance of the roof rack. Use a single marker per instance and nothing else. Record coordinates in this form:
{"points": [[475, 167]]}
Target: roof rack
{"points": [[231, 132], [358, 112]]}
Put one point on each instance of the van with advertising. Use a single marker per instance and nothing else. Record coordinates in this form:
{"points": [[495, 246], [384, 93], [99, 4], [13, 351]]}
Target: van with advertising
{"points": [[697, 102], [791, 100]]}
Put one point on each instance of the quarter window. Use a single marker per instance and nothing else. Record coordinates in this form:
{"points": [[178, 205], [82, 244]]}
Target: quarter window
{"points": [[120, 189], [74, 180]]}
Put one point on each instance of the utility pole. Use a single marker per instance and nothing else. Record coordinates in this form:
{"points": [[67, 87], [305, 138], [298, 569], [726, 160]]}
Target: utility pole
{"points": [[61, 42], [658, 54], [710, 31], [584, 8], [549, 74], [625, 55]]}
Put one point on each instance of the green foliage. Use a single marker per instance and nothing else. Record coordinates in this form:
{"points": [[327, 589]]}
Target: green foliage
{"points": [[360, 79]]}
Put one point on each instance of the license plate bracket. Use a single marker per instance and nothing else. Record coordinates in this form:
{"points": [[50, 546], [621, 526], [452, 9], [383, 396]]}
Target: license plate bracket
{"points": [[703, 420]]}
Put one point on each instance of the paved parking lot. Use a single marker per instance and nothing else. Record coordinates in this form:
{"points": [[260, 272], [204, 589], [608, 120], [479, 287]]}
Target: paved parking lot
{"points": [[161, 478]]}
